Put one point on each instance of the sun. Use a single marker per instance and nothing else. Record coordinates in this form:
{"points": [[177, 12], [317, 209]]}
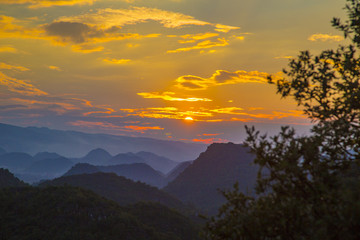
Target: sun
{"points": [[189, 119]]}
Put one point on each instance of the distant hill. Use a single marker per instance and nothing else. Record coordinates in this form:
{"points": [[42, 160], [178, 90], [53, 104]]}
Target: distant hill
{"points": [[15, 161], [125, 158], [177, 170], [7, 179], [49, 168], [117, 188], [136, 172], [46, 155], [159, 163], [97, 156], [219, 167], [82, 168], [73, 213], [76, 144], [101, 157]]}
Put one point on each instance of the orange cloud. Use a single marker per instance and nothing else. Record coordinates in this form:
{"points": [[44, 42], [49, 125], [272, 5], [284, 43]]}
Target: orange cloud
{"points": [[20, 86], [202, 45], [47, 3], [325, 37], [167, 97], [167, 113], [106, 111], [211, 134], [210, 140], [106, 125], [220, 77]]}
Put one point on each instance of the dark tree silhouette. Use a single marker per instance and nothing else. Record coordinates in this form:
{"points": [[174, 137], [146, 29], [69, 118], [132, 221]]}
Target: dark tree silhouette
{"points": [[311, 188]]}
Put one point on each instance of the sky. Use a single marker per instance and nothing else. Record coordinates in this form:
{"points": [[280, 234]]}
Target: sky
{"points": [[188, 70]]}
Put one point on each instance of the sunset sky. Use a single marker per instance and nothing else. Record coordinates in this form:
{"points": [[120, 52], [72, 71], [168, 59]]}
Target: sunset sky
{"points": [[191, 70]]}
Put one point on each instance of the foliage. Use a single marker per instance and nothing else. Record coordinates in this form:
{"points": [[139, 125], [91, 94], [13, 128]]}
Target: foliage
{"points": [[73, 213], [312, 188]]}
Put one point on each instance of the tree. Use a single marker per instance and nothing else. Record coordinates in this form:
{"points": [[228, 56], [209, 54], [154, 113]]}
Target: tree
{"points": [[308, 186]]}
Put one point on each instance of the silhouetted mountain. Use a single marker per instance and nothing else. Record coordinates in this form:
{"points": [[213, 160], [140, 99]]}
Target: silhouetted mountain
{"points": [[50, 168], [97, 156], [219, 167], [136, 172], [177, 170], [82, 168], [76, 144], [7, 179], [125, 158], [15, 161], [118, 188], [46, 155], [73, 213], [159, 163], [2, 151]]}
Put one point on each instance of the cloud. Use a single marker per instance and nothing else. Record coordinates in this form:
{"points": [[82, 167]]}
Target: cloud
{"points": [[210, 140], [116, 61], [228, 110], [167, 96], [106, 125], [84, 36], [284, 57], [166, 112], [71, 31], [221, 42], [48, 3], [12, 67], [325, 37], [224, 28], [199, 36], [55, 68], [86, 48], [108, 18], [220, 77], [9, 28], [20, 86], [9, 49]]}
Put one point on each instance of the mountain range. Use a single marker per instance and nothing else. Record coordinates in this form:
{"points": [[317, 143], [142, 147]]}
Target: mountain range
{"points": [[32, 140]]}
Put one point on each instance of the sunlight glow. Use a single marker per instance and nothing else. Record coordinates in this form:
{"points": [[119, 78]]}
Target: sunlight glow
{"points": [[189, 119]]}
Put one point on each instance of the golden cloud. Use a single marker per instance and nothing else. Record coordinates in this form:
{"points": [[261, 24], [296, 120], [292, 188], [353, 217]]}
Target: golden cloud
{"points": [[20, 86], [55, 68], [199, 36], [212, 115], [221, 42], [116, 61], [167, 96], [9, 28], [9, 49], [108, 18], [12, 67], [224, 28], [47, 3], [325, 37], [220, 77]]}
